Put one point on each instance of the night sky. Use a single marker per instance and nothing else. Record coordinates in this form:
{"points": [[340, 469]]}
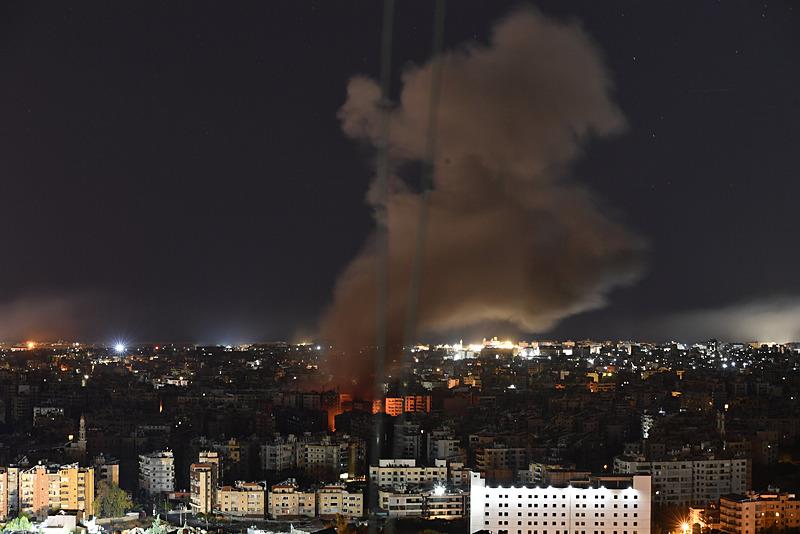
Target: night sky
{"points": [[177, 170]]}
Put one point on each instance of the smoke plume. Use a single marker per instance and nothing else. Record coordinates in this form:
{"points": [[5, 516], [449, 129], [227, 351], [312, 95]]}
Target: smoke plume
{"points": [[511, 237]]}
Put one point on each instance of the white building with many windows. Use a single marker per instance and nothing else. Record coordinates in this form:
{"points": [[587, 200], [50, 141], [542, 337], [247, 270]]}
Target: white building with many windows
{"points": [[608, 505], [157, 472]]}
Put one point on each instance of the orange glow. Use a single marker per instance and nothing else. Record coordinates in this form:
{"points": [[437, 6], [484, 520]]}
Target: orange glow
{"points": [[31, 345], [333, 411]]}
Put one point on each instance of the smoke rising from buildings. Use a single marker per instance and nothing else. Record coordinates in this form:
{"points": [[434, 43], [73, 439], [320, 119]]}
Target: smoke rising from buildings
{"points": [[512, 237]]}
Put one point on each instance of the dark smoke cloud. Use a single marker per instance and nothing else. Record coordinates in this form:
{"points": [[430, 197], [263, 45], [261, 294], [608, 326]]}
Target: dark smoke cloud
{"points": [[511, 238]]}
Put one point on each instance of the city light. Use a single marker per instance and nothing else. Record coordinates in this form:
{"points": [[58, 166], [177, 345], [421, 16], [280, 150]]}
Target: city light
{"points": [[31, 345], [439, 490], [119, 348]]}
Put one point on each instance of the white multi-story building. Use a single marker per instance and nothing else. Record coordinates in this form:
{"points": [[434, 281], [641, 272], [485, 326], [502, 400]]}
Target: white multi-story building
{"points": [[609, 505], [690, 482], [157, 472], [394, 472]]}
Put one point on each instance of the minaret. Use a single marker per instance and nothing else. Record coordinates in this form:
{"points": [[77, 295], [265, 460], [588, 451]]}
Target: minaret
{"points": [[82, 432], [76, 450]]}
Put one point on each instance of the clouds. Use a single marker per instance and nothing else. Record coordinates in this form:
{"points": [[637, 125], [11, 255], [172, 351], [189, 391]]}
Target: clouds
{"points": [[511, 236]]}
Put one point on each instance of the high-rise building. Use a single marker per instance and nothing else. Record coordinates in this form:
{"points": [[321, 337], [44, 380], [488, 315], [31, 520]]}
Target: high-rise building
{"points": [[606, 505], [157, 472]]}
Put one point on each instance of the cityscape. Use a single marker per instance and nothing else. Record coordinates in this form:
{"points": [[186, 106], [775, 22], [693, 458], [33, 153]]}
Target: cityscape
{"points": [[399, 267], [470, 432]]}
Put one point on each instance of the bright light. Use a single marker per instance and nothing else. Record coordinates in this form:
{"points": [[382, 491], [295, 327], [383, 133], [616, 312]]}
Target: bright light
{"points": [[31, 345], [685, 526], [119, 348], [439, 490]]}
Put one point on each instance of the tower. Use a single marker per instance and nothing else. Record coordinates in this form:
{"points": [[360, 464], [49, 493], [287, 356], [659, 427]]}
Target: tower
{"points": [[82, 432], [76, 450]]}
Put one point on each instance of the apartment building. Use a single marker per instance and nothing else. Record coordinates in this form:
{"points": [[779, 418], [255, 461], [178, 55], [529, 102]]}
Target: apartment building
{"points": [[435, 502], [157, 472], [690, 481], [407, 441], [501, 458], [398, 405], [202, 487], [334, 499], [542, 474], [285, 500], [280, 454], [399, 471], [9, 492], [106, 469], [606, 505], [752, 513], [316, 455], [244, 499], [45, 488]]}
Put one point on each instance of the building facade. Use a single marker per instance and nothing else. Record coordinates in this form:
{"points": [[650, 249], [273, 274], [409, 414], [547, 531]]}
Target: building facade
{"points": [[285, 500], [753, 513], [334, 499], [607, 505], [157, 472], [245, 499], [46, 488], [202, 488], [691, 481], [393, 472]]}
